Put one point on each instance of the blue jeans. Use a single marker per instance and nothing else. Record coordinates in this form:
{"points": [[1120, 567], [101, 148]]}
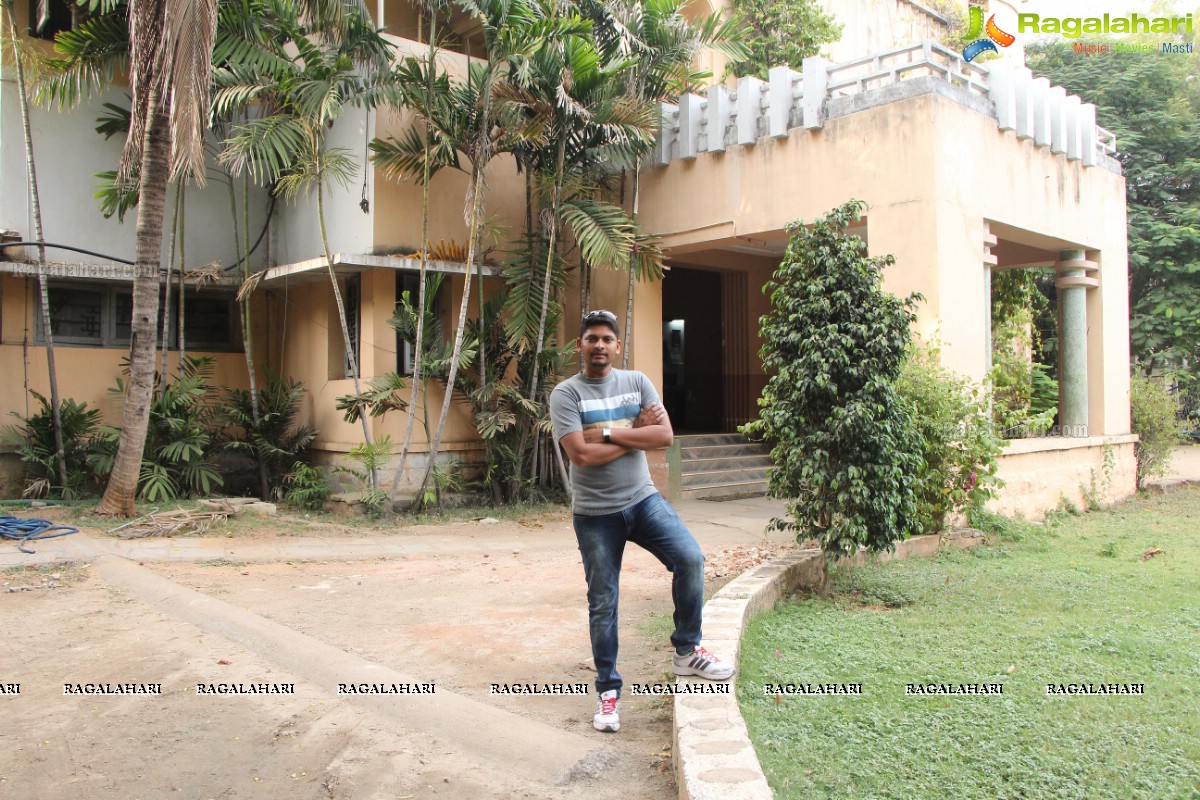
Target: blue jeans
{"points": [[653, 525]]}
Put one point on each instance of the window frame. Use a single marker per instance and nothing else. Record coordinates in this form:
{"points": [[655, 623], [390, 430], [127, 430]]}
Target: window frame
{"points": [[110, 339]]}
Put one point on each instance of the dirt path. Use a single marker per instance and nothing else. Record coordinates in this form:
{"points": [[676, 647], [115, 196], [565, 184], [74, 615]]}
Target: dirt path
{"points": [[461, 606]]}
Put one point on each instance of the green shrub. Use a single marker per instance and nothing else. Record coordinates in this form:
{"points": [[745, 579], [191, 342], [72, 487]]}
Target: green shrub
{"points": [[180, 441], [38, 451], [958, 443], [307, 487], [370, 458], [1155, 421], [845, 450], [277, 439]]}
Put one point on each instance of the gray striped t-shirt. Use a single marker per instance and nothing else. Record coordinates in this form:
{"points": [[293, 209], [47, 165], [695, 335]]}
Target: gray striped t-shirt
{"points": [[613, 401]]}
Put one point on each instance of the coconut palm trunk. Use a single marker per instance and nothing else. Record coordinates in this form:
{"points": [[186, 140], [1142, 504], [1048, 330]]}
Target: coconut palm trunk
{"points": [[473, 234], [35, 207], [155, 173], [166, 316], [559, 161], [245, 308], [628, 346], [341, 309], [419, 343]]}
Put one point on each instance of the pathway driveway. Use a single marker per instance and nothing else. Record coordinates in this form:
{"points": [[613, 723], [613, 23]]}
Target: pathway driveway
{"points": [[456, 608]]}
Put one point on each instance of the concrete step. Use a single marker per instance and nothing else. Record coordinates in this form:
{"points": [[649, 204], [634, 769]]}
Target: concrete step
{"points": [[722, 477], [707, 439], [742, 489], [691, 465], [724, 450]]}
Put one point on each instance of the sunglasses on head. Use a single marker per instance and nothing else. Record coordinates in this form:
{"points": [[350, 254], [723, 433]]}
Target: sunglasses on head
{"points": [[605, 315]]}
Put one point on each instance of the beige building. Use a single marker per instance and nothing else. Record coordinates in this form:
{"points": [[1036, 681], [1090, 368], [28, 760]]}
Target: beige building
{"points": [[965, 170]]}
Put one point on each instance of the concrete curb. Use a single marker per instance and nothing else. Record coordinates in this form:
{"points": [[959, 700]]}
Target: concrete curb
{"points": [[714, 759]]}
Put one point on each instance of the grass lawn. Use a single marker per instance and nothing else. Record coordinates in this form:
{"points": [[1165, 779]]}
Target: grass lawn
{"points": [[1071, 601]]}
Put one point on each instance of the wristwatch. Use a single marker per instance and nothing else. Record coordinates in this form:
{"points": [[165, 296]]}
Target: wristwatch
{"points": [[607, 435]]}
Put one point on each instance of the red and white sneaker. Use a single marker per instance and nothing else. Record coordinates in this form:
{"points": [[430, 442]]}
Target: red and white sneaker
{"points": [[702, 663], [606, 718]]}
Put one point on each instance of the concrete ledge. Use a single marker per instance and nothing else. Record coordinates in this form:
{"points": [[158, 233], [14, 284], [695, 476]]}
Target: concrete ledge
{"points": [[714, 758]]}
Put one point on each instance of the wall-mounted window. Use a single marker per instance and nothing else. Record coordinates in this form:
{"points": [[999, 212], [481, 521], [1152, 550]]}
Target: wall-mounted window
{"points": [[411, 282], [352, 299], [62, 15], [99, 315]]}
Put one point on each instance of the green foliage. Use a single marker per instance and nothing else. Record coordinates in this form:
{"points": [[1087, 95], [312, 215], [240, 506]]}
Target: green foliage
{"points": [[958, 443], [277, 439], [1155, 420], [1006, 528], [37, 449], [845, 448], [1153, 107], [369, 459], [444, 480], [180, 439], [1023, 390], [783, 32], [307, 487], [504, 415], [382, 396]]}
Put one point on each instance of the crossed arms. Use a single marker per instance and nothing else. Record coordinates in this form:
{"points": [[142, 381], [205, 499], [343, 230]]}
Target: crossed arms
{"points": [[651, 430]]}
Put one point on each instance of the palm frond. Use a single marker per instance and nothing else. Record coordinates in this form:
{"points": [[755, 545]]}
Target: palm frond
{"points": [[265, 148]]}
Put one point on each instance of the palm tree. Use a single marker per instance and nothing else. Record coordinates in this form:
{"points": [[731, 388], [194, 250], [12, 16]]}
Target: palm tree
{"points": [[36, 208], [426, 89], [665, 44], [299, 97], [170, 51], [471, 121]]}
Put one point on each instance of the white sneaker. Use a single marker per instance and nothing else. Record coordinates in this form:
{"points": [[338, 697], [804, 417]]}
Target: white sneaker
{"points": [[702, 663], [606, 718]]}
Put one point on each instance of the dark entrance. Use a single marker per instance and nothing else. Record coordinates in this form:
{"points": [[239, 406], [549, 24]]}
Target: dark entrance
{"points": [[693, 342]]}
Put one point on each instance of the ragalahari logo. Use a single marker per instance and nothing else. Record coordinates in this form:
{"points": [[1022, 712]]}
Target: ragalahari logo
{"points": [[994, 37]]}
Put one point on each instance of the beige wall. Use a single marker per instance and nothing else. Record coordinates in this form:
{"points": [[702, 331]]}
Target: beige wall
{"points": [[1040, 474], [873, 26], [932, 172], [85, 374], [307, 346]]}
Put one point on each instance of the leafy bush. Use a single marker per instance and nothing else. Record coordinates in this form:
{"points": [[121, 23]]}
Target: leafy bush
{"points": [[845, 448], [37, 448], [1024, 391], [370, 458], [1155, 421], [308, 487], [177, 460], [276, 440], [958, 443]]}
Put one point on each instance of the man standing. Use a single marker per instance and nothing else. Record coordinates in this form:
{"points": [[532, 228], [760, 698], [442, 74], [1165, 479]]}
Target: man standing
{"points": [[605, 419]]}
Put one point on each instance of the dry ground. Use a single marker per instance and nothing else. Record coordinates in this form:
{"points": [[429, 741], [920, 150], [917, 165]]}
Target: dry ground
{"points": [[466, 605]]}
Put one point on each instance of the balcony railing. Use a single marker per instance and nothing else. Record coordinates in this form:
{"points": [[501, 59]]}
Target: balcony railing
{"points": [[788, 99]]}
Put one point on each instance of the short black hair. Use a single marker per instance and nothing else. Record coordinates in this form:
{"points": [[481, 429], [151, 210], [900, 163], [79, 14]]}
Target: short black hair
{"points": [[599, 318]]}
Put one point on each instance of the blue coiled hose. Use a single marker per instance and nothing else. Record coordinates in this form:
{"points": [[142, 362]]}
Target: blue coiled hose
{"points": [[22, 530]]}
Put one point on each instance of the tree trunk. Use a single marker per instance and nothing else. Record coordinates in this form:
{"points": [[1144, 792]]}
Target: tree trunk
{"points": [[182, 277], [473, 229], [637, 172], [35, 206], [419, 344], [560, 158], [264, 483], [341, 308], [155, 172], [166, 317]]}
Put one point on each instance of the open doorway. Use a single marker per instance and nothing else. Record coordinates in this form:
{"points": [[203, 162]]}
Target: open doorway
{"points": [[692, 347]]}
